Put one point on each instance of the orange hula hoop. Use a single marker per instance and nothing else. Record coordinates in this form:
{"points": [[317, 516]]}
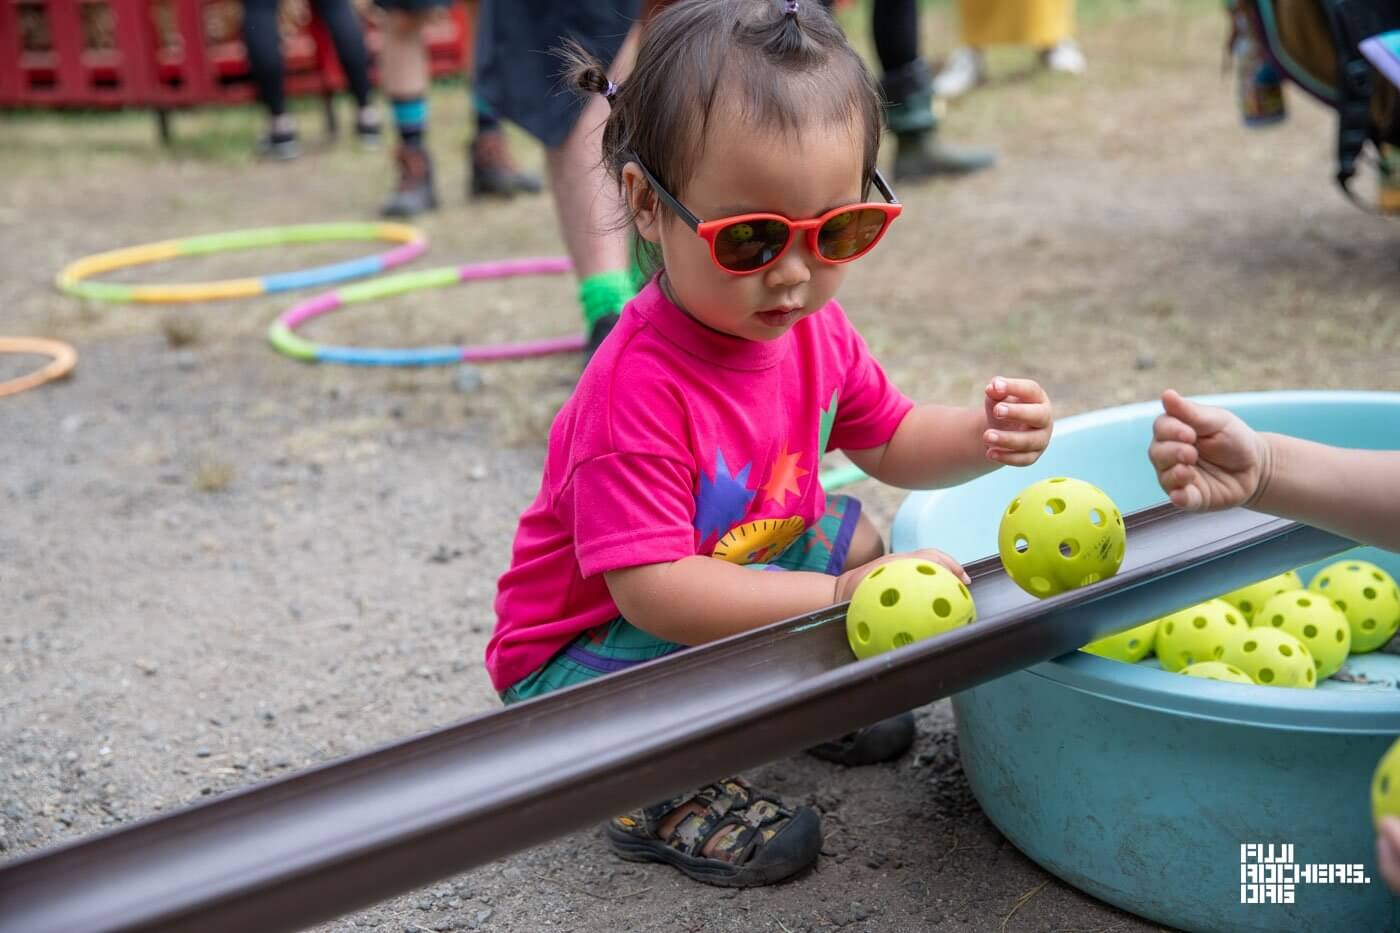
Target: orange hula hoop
{"points": [[64, 359]]}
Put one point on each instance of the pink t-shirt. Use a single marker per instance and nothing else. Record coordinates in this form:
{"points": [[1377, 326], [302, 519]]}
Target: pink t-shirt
{"points": [[679, 441]]}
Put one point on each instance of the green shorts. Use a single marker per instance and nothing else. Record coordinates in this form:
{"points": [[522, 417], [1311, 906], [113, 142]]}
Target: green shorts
{"points": [[617, 644]]}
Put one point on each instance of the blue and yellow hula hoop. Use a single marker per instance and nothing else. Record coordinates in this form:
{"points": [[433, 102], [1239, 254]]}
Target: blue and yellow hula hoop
{"points": [[73, 278]]}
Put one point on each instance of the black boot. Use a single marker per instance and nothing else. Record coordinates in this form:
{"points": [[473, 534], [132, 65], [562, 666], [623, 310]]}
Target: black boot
{"points": [[882, 741], [414, 193], [908, 92], [493, 172]]}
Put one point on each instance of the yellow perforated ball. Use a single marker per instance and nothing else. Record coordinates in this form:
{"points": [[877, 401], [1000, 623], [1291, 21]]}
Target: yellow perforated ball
{"points": [[1059, 534]]}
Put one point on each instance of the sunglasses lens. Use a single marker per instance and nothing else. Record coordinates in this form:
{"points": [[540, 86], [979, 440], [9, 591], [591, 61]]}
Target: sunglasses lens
{"points": [[749, 245], [850, 233]]}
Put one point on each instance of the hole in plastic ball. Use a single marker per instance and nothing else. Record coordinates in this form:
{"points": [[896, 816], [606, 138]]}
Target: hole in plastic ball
{"points": [[1353, 567], [1369, 592], [1058, 479], [962, 589], [1368, 624], [1132, 644], [1266, 675], [1022, 545], [1069, 547], [1170, 626], [1286, 651], [927, 570], [1232, 619], [1309, 675], [1341, 636], [1199, 621], [1089, 578], [1246, 607], [1322, 584], [1276, 621], [1015, 504], [1219, 651], [1304, 601], [1186, 659], [1118, 518], [876, 572], [941, 607], [1040, 584], [1310, 631], [1235, 670], [1054, 506], [1096, 517], [863, 632], [1341, 604], [1251, 645], [1376, 575], [902, 638], [889, 597]]}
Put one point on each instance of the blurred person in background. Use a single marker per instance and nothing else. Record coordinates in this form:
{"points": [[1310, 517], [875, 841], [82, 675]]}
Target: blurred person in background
{"points": [[1044, 25]]}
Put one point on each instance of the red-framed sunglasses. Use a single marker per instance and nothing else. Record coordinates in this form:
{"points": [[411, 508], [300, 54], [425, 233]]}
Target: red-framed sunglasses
{"points": [[748, 243]]}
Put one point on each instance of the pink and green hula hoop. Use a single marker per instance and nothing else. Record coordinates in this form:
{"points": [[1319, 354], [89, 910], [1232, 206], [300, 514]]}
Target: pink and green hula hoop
{"points": [[282, 334]]}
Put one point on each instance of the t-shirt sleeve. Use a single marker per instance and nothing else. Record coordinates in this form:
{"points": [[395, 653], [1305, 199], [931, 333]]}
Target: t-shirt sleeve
{"points": [[869, 408], [630, 509]]}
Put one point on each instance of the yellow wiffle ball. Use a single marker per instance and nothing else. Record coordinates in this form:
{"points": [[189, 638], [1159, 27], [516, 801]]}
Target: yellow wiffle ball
{"points": [[905, 601], [1060, 534], [1196, 633], [1129, 647], [1248, 599], [1272, 657], [1385, 785], [1367, 595], [1314, 620], [1217, 670]]}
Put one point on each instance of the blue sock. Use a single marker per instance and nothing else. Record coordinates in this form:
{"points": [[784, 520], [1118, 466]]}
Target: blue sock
{"points": [[411, 118]]}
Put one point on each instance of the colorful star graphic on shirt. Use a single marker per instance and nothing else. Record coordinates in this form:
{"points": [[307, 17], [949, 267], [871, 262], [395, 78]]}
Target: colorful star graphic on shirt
{"points": [[828, 419], [784, 476], [723, 500]]}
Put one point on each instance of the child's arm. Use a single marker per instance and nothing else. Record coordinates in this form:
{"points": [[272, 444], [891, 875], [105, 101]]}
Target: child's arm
{"points": [[1207, 458], [700, 599], [938, 445]]}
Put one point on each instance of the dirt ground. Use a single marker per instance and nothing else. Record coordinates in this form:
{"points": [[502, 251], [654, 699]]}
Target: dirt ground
{"points": [[218, 565]]}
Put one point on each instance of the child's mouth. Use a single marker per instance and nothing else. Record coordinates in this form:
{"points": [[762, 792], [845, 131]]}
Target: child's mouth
{"points": [[779, 317]]}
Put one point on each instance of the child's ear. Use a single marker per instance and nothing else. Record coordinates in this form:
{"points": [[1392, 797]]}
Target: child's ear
{"points": [[642, 203]]}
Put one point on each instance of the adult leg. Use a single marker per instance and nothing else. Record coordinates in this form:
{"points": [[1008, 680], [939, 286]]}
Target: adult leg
{"points": [[349, 39], [493, 172], [908, 90], [404, 77], [264, 44]]}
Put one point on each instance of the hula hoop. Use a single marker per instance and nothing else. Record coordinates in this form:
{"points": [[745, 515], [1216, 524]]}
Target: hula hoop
{"points": [[64, 359], [844, 475], [412, 243], [282, 334]]}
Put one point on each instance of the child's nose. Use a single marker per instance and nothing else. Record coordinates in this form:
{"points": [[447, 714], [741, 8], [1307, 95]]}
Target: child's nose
{"points": [[793, 269]]}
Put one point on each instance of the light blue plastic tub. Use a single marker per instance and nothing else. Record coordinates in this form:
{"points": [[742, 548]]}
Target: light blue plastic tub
{"points": [[1139, 786]]}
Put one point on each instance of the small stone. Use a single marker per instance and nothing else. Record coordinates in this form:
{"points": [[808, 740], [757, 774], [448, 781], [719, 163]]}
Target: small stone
{"points": [[483, 915], [1145, 361], [477, 472], [201, 753], [467, 379], [424, 904]]}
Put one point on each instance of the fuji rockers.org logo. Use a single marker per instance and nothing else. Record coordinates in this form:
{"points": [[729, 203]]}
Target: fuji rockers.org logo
{"points": [[1269, 873]]}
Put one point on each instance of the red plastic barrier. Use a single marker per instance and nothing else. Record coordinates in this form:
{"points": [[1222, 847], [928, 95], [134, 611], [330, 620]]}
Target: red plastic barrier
{"points": [[174, 53]]}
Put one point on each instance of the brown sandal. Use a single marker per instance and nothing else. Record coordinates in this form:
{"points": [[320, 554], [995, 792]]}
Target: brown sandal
{"points": [[763, 842]]}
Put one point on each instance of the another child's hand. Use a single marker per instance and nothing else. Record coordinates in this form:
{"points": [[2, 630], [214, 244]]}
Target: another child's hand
{"points": [[846, 583], [1388, 851], [1019, 421], [1206, 458]]}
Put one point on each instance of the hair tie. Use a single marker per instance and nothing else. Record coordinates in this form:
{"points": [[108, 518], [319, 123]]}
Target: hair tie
{"points": [[790, 7], [611, 90]]}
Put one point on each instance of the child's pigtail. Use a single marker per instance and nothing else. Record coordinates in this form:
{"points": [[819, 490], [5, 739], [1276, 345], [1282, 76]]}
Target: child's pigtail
{"points": [[783, 37], [585, 72]]}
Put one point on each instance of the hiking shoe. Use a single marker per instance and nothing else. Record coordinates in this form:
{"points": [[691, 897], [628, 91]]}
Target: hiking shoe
{"points": [[279, 147], [493, 172], [414, 193]]}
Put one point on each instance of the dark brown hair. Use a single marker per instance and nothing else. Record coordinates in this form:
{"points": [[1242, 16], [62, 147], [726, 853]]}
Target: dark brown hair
{"points": [[775, 68]]}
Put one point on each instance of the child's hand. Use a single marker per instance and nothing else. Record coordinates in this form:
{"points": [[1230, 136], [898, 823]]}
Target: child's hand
{"points": [[1019, 420], [1388, 851], [846, 583], [1206, 458]]}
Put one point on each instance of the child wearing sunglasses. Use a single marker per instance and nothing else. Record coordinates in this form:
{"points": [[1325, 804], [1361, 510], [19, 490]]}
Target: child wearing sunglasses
{"points": [[680, 501]]}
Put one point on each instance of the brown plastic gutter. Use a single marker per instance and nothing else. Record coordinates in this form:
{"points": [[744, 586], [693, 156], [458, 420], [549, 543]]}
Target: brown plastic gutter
{"points": [[293, 852]]}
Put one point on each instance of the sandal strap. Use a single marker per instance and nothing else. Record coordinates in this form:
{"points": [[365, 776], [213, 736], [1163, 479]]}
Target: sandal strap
{"points": [[753, 816]]}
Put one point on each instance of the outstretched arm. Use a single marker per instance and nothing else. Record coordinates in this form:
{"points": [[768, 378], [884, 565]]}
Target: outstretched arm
{"points": [[1207, 459]]}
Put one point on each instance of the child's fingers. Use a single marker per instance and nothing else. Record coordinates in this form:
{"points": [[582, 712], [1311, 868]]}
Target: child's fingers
{"points": [[1388, 852], [1032, 415], [1013, 457], [1167, 428], [1167, 454], [1204, 419], [1025, 389], [1017, 440], [938, 557]]}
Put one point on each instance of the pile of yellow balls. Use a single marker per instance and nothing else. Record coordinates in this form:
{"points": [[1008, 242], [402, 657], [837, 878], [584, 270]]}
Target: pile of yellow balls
{"points": [[1275, 633]]}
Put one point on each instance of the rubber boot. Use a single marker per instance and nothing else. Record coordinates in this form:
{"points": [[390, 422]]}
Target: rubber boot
{"points": [[414, 193], [920, 154], [493, 172]]}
